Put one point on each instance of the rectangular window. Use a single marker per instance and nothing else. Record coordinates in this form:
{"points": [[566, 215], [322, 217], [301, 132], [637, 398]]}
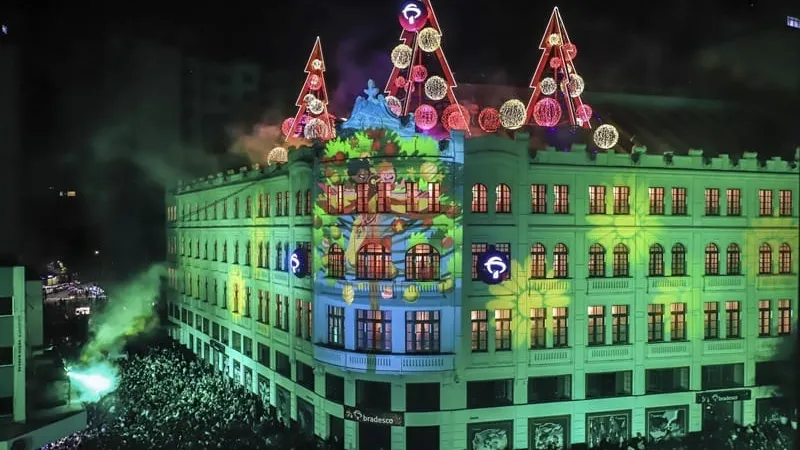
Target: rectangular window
{"points": [[663, 381], [655, 322], [412, 194], [609, 384], [385, 197], [656, 201], [597, 199], [677, 321], [764, 318], [478, 248], [263, 355], [298, 324], [549, 389], [785, 203], [309, 322], [721, 376], [334, 388], [283, 316], [712, 201], [538, 332], [362, 197], [278, 204], [538, 198], [434, 192], [336, 326], [502, 331], [597, 325], [619, 324], [422, 397], [490, 393], [266, 205], [732, 320], [734, 202], [560, 316], [622, 200], [764, 202], [422, 331], [710, 320], [505, 248], [335, 200], [561, 199], [374, 330], [286, 203], [480, 330], [784, 317], [678, 201]]}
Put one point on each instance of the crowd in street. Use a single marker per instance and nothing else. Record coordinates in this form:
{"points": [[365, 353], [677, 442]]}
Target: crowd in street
{"points": [[168, 400]]}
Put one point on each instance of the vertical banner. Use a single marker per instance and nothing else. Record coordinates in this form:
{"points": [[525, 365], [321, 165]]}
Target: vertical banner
{"points": [[20, 343]]}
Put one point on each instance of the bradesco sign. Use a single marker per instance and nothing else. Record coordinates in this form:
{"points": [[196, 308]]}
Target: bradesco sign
{"points": [[391, 419], [723, 396]]}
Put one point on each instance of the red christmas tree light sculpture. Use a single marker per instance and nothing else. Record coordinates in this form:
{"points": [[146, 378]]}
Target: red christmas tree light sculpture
{"points": [[421, 82], [312, 120], [557, 87]]}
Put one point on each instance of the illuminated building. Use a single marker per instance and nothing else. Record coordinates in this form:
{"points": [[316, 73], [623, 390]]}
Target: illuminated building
{"points": [[643, 289], [34, 403]]}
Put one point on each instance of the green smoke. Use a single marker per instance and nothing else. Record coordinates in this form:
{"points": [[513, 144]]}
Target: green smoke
{"points": [[129, 312]]}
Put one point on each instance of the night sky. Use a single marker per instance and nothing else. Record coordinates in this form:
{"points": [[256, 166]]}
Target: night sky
{"points": [[624, 46]]}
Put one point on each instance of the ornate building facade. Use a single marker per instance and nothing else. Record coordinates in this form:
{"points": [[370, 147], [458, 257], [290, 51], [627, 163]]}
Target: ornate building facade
{"points": [[400, 291]]}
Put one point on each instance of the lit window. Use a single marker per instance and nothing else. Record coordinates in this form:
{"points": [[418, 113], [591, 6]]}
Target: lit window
{"points": [[732, 320], [622, 204], [734, 258], [538, 198], [597, 325], [434, 193], [538, 264], [385, 197], [619, 324], [362, 197], [765, 202], [479, 202], [503, 200], [538, 330], [712, 260], [422, 331], [784, 259], [621, 266], [712, 202], [678, 201], [374, 330], [422, 263], [561, 199], [505, 248], [336, 326], [710, 320], [677, 321], [335, 261], [560, 316], [560, 261], [478, 248], [784, 317], [479, 320], [734, 202], [502, 329], [597, 199], [765, 259], [335, 200], [656, 201], [597, 261], [764, 318], [656, 266], [412, 194], [785, 203], [655, 322], [374, 262]]}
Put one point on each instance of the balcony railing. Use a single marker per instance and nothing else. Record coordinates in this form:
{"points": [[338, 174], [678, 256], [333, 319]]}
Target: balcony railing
{"points": [[668, 349], [395, 363], [550, 356], [668, 284], [723, 347], [609, 285], [609, 353], [389, 289], [723, 282], [769, 282], [547, 286]]}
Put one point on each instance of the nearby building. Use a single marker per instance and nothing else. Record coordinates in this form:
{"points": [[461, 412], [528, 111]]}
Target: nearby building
{"points": [[34, 404], [460, 291]]}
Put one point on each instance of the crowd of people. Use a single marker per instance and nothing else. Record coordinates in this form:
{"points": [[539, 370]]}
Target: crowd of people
{"points": [[165, 399]]}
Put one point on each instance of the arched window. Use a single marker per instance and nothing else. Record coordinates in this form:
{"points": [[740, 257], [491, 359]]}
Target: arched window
{"points": [[298, 203], [236, 252], [784, 259], [502, 203], [308, 202], [248, 207], [248, 254], [479, 203], [678, 260], [597, 261], [560, 261], [656, 266], [734, 260], [373, 262], [621, 261], [712, 259], [260, 254], [422, 263], [538, 264], [765, 259], [335, 261], [278, 256]]}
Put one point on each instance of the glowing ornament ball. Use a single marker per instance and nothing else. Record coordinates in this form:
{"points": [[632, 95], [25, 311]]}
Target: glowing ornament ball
{"points": [[401, 56], [316, 106], [556, 63], [489, 120], [429, 40], [308, 98], [435, 88], [456, 117], [554, 39], [419, 73], [287, 126], [314, 82], [575, 86], [547, 86], [394, 105], [316, 129], [413, 15], [513, 114], [606, 136], [425, 117], [584, 112], [400, 82], [570, 51], [316, 64], [547, 112]]}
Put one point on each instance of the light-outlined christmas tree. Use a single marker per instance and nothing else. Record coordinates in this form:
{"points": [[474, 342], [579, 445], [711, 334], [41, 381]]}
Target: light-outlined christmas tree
{"points": [[421, 81], [557, 86], [312, 120]]}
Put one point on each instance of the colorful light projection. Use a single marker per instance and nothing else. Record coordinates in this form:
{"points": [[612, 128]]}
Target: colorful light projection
{"points": [[392, 194], [298, 264], [493, 266]]}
